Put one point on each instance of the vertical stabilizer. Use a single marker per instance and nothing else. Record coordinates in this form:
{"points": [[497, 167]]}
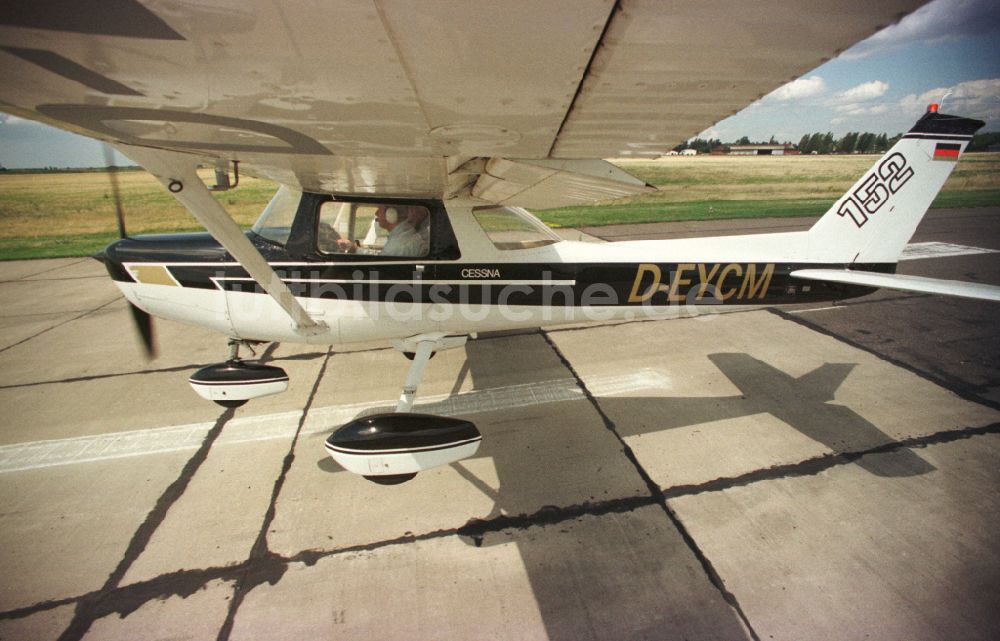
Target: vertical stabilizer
{"points": [[875, 219]]}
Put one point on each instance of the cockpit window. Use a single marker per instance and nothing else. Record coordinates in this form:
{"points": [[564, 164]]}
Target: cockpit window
{"points": [[384, 229], [275, 222], [513, 228]]}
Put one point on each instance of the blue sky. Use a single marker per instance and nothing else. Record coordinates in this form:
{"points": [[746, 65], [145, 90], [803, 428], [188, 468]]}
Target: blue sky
{"points": [[880, 85], [884, 83]]}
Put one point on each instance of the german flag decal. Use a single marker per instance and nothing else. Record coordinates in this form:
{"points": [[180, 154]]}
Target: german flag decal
{"points": [[947, 151]]}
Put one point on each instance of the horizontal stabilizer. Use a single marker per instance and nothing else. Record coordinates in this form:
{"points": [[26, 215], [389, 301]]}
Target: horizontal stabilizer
{"points": [[903, 283]]}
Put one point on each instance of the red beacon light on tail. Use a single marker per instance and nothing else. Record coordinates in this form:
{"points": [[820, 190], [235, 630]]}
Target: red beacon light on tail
{"points": [[932, 108]]}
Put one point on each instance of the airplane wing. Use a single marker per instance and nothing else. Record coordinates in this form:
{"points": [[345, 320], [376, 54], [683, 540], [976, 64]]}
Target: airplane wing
{"points": [[394, 97], [902, 282]]}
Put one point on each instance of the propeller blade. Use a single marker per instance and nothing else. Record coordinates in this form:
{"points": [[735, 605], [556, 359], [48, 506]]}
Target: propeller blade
{"points": [[144, 325], [143, 322], [109, 161]]}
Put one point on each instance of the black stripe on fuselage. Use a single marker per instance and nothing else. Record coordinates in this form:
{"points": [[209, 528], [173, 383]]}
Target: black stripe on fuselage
{"points": [[534, 284], [938, 137]]}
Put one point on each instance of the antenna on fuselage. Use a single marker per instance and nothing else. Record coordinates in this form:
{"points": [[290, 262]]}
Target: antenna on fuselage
{"points": [[941, 102]]}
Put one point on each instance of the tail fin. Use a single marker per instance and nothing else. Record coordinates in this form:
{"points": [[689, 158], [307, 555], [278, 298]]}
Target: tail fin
{"points": [[875, 219]]}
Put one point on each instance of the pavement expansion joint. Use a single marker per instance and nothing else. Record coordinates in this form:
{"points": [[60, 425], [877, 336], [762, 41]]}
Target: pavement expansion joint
{"points": [[34, 279], [98, 377], [263, 565], [69, 320], [99, 604], [818, 464], [267, 357], [657, 496], [269, 567], [53, 268]]}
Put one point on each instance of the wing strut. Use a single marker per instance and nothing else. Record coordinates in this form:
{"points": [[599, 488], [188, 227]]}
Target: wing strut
{"points": [[178, 173]]}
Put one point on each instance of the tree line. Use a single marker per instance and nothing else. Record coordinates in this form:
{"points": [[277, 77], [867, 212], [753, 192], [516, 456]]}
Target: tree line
{"points": [[854, 142]]}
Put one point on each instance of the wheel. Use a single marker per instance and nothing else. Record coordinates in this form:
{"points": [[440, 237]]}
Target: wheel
{"points": [[391, 479], [238, 403]]}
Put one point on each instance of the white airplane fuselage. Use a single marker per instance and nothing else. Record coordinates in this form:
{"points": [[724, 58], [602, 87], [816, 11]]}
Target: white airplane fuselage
{"points": [[559, 283], [486, 268]]}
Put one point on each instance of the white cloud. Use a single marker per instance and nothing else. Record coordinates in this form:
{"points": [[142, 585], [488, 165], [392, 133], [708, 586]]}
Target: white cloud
{"points": [[860, 110], [972, 99], [855, 101], [799, 88], [865, 91]]}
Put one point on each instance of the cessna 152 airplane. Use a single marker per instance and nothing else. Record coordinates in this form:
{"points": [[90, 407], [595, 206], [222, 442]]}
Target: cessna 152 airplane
{"points": [[407, 137]]}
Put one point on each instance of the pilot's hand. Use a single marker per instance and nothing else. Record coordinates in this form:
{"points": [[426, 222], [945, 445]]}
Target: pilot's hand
{"points": [[347, 246], [327, 234]]}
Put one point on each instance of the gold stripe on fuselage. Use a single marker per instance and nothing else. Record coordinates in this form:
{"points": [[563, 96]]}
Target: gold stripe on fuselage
{"points": [[152, 275]]}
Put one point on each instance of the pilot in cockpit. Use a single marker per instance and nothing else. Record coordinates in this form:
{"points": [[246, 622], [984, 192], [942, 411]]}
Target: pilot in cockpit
{"points": [[408, 233]]}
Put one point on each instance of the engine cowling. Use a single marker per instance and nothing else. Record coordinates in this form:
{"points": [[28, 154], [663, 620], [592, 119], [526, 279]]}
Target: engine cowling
{"points": [[392, 448]]}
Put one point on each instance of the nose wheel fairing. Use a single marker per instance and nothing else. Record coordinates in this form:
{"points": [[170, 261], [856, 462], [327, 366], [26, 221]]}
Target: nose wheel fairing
{"points": [[233, 383]]}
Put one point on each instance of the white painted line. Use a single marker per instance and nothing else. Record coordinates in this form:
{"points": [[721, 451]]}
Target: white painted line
{"points": [[918, 251], [104, 447], [815, 309]]}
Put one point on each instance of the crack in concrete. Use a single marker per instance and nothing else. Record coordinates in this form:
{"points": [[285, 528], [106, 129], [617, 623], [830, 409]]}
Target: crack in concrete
{"points": [[108, 599], [57, 325], [818, 464], [98, 377], [263, 568], [32, 279], [263, 565], [657, 496], [99, 604], [29, 277], [160, 370]]}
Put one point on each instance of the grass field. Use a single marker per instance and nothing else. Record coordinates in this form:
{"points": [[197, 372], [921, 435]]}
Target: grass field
{"points": [[718, 187], [72, 214], [47, 215]]}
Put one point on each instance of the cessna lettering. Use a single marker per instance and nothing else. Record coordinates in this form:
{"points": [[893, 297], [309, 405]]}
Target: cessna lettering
{"points": [[480, 273], [697, 281]]}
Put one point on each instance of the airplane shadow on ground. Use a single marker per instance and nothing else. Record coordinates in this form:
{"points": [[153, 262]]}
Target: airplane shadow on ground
{"points": [[804, 403], [637, 564], [630, 560]]}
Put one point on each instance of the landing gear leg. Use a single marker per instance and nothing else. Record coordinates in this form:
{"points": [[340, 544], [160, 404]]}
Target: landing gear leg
{"points": [[422, 348], [391, 448], [234, 348], [420, 359]]}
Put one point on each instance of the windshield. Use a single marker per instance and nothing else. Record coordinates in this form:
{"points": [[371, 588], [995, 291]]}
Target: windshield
{"points": [[513, 228], [275, 223]]}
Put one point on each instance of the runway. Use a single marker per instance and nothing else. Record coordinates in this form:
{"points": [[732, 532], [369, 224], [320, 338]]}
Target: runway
{"points": [[811, 472]]}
